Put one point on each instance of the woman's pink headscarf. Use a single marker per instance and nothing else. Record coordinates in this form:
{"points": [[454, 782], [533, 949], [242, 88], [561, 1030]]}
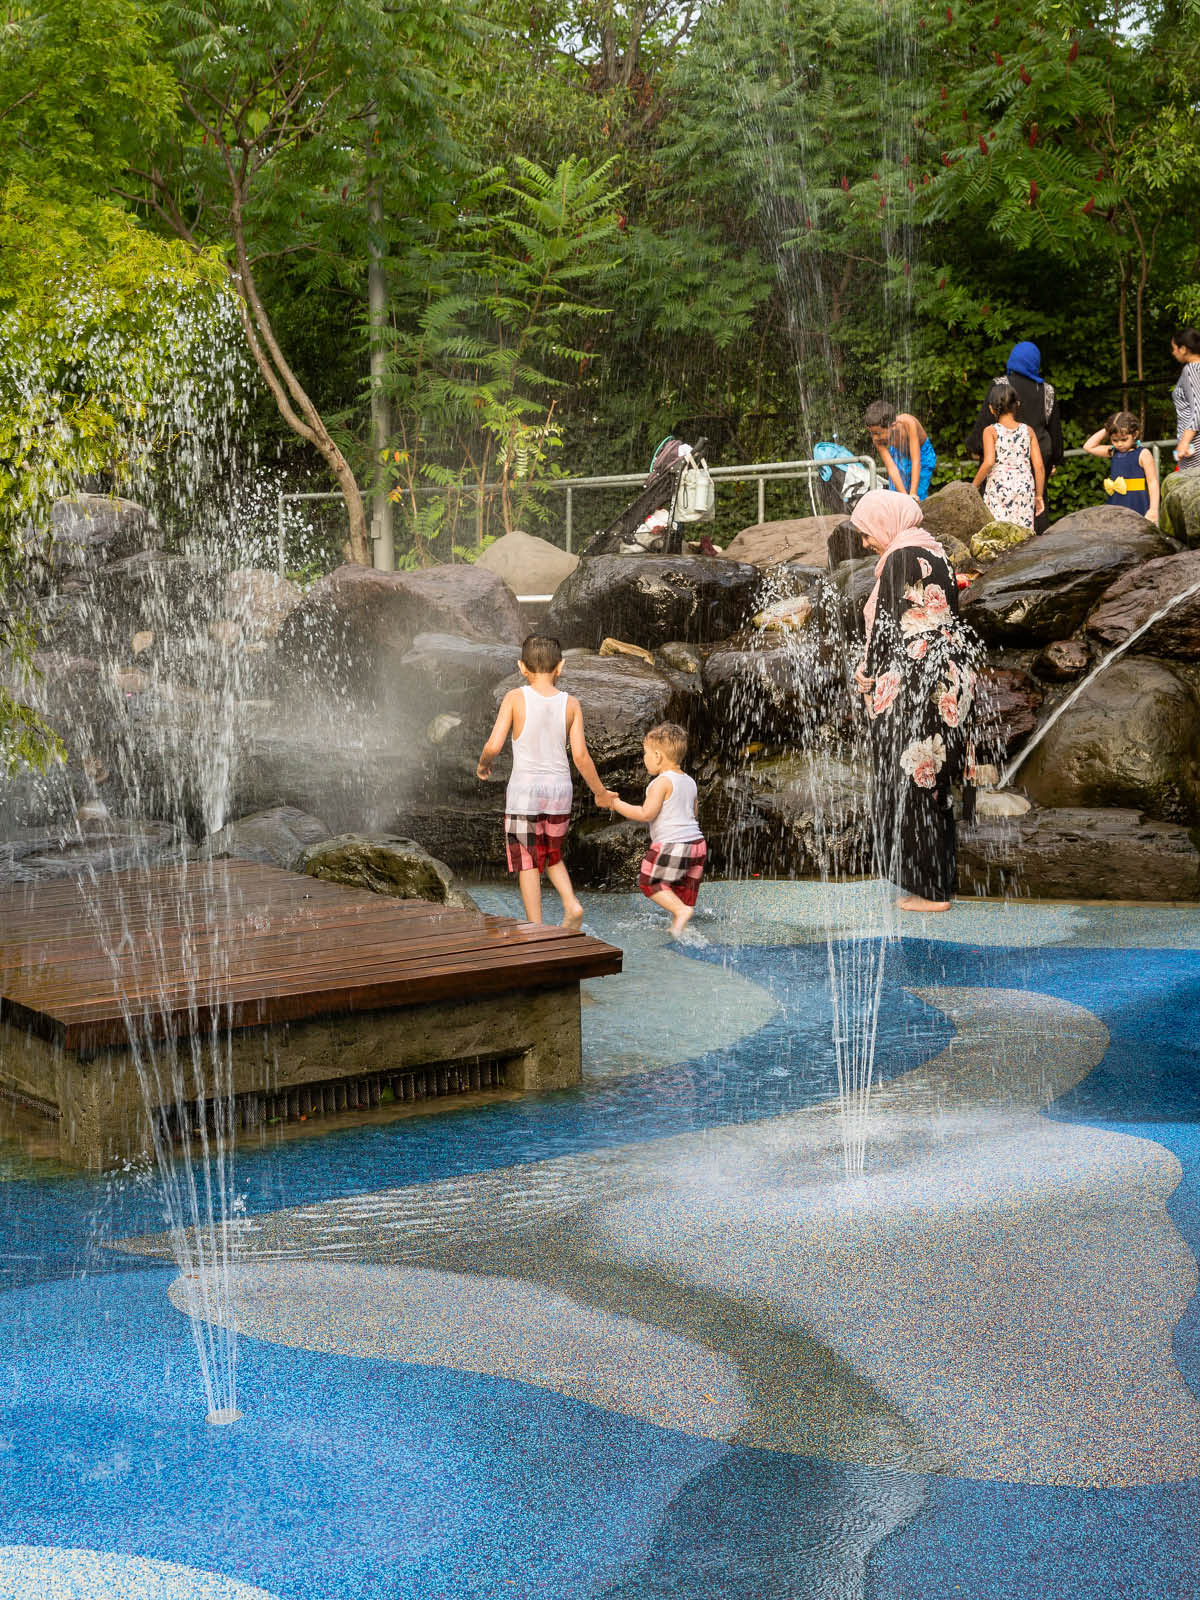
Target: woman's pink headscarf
{"points": [[895, 518]]}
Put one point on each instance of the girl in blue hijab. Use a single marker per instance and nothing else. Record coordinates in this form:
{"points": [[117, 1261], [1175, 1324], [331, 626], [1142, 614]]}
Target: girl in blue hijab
{"points": [[1038, 408]]}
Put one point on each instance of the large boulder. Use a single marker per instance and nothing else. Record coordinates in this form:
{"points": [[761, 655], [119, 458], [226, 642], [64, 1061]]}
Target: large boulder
{"points": [[527, 564], [1096, 522], [1131, 602], [650, 600], [1072, 854], [957, 512], [603, 854], [451, 674], [1179, 512], [802, 539], [1129, 740], [800, 815], [259, 601], [1008, 701], [386, 865], [1044, 589], [354, 626], [153, 590], [276, 837], [774, 687], [99, 844], [89, 528]]}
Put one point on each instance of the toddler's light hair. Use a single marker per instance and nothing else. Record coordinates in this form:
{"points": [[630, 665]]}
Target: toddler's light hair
{"points": [[671, 739]]}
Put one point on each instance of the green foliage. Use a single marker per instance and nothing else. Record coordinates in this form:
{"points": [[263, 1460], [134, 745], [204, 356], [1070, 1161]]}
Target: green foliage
{"points": [[96, 315]]}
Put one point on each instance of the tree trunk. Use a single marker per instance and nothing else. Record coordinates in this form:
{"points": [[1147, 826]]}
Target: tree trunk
{"points": [[1122, 303], [381, 411], [295, 406]]}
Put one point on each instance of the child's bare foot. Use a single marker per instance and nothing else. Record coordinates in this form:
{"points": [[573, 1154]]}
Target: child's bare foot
{"points": [[572, 916], [914, 902], [681, 919]]}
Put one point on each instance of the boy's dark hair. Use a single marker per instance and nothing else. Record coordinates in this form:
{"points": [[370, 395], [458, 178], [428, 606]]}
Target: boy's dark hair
{"points": [[1122, 422], [540, 653], [879, 414], [1187, 339], [1002, 398], [670, 738], [845, 543]]}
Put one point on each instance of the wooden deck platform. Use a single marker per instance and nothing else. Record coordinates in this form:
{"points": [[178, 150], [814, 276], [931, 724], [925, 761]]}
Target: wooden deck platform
{"points": [[173, 949]]}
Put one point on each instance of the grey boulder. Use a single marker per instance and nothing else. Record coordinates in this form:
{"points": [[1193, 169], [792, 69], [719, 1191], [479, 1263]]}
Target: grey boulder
{"points": [[385, 864], [1133, 600], [652, 600]]}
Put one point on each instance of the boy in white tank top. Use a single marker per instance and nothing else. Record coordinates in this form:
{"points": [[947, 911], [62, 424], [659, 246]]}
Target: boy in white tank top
{"points": [[673, 866], [544, 722]]}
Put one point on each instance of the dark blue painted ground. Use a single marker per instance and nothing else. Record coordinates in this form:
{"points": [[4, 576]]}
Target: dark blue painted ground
{"points": [[361, 1478]]}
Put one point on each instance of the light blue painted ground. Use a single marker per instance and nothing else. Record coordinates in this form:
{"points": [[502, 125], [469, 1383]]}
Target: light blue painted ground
{"points": [[353, 1476]]}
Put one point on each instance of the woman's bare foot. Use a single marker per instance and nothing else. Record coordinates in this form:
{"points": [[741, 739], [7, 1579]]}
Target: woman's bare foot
{"points": [[914, 902], [681, 919], [572, 916]]}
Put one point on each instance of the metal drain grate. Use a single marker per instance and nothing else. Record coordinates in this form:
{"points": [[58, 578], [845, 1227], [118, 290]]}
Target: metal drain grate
{"points": [[258, 1109]]}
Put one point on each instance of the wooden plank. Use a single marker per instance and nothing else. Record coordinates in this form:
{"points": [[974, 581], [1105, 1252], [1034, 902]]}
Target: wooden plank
{"points": [[256, 944]]}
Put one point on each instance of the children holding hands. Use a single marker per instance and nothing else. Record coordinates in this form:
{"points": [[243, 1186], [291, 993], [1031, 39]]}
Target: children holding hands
{"points": [[673, 866], [1132, 476], [543, 721]]}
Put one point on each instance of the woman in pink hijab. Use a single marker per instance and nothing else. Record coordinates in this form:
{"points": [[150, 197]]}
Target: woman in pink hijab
{"points": [[918, 681]]}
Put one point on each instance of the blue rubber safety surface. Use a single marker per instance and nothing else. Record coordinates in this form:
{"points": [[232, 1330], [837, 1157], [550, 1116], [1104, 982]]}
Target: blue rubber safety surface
{"points": [[356, 1477]]}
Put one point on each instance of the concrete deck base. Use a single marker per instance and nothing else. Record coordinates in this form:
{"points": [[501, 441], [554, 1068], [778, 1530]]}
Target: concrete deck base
{"points": [[103, 1105]]}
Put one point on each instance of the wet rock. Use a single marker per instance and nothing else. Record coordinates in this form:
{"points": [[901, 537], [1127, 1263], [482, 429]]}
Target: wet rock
{"points": [[1009, 701], [446, 672], [619, 647], [603, 854], [854, 582], [1133, 600], [774, 688], [105, 844], [353, 627], [783, 614], [802, 815], [802, 539], [1062, 660], [151, 590], [1097, 522], [997, 538], [957, 512], [1044, 589], [90, 528], [1129, 740], [527, 564], [652, 599], [1073, 854], [259, 601], [676, 656], [1179, 513], [958, 554], [276, 837], [1001, 803], [385, 864]]}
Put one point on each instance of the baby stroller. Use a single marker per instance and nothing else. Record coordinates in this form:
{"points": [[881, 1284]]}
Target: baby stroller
{"points": [[839, 486], [677, 490]]}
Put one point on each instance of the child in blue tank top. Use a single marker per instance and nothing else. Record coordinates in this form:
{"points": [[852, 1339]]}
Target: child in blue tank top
{"points": [[1132, 479]]}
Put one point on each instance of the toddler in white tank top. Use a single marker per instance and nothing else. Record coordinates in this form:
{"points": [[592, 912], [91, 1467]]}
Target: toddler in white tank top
{"points": [[543, 721], [673, 866]]}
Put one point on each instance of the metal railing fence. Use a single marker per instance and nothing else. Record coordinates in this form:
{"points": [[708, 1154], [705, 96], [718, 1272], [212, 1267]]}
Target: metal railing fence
{"points": [[759, 473]]}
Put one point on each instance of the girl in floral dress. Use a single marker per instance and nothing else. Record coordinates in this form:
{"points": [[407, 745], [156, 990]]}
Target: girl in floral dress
{"points": [[918, 681], [1012, 462]]}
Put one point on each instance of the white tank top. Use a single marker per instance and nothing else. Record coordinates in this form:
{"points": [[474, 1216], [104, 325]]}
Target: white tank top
{"points": [[676, 822], [540, 784]]}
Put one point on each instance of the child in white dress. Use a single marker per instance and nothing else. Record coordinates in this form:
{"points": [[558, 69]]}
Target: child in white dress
{"points": [[1012, 472]]}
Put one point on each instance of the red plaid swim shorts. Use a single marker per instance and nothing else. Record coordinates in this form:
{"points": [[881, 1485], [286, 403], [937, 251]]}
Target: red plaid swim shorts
{"points": [[678, 867], [534, 842]]}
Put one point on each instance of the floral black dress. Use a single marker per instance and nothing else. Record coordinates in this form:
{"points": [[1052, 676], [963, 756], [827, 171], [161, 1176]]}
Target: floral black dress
{"points": [[925, 663]]}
